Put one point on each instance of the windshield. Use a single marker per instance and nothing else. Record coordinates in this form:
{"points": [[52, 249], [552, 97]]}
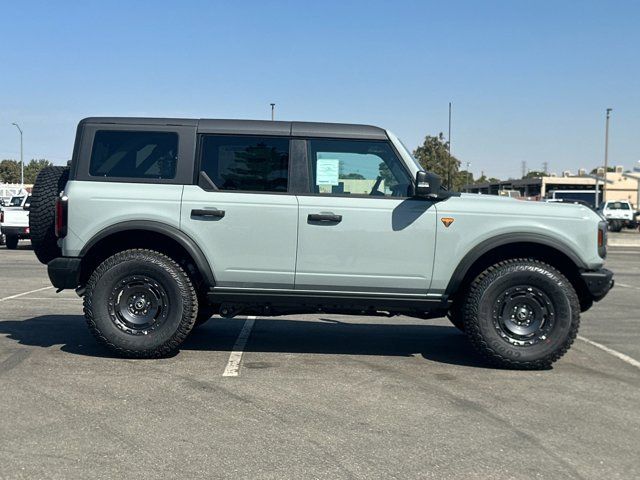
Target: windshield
{"points": [[16, 201], [408, 152]]}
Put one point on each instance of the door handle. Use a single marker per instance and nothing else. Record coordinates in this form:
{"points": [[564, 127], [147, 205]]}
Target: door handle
{"points": [[207, 213], [324, 217]]}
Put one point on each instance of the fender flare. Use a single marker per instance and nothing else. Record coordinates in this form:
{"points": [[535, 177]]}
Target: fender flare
{"points": [[185, 241], [506, 239]]}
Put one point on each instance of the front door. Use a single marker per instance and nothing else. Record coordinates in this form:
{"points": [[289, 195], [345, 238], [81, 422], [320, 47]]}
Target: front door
{"points": [[241, 214], [359, 231]]}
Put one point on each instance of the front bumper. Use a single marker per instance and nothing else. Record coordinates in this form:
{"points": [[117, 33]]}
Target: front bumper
{"points": [[598, 282], [20, 232], [64, 272]]}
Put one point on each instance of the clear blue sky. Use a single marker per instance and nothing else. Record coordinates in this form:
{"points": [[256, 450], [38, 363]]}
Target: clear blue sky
{"points": [[529, 80]]}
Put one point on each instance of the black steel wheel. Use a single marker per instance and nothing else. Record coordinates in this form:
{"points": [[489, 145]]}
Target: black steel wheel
{"points": [[140, 304], [521, 313]]}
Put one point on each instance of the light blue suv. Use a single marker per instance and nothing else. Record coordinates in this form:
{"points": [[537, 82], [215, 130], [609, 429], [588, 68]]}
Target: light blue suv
{"points": [[160, 223]]}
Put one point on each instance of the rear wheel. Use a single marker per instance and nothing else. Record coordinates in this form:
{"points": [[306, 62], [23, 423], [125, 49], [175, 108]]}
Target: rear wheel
{"points": [[522, 314], [615, 225], [12, 242], [48, 185], [140, 304]]}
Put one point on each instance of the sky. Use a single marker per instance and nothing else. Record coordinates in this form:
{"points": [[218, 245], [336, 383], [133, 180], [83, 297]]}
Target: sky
{"points": [[529, 80]]}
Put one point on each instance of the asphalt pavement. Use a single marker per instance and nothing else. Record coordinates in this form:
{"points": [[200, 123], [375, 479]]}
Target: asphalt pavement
{"points": [[311, 396]]}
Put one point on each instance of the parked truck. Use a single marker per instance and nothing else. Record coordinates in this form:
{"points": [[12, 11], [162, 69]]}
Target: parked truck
{"points": [[14, 221]]}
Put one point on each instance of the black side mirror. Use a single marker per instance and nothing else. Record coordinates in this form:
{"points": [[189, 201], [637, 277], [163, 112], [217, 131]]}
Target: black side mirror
{"points": [[427, 185]]}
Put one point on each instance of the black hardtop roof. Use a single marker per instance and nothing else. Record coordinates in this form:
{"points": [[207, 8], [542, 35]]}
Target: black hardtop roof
{"points": [[254, 127]]}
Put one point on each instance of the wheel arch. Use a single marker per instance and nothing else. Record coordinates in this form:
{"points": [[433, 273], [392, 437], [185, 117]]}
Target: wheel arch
{"points": [[538, 246], [146, 234]]}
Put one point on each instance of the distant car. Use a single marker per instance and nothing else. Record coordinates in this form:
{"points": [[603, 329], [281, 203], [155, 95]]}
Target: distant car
{"points": [[14, 221], [618, 214]]}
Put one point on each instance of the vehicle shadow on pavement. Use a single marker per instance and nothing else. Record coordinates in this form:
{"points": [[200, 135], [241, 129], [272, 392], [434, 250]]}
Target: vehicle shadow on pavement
{"points": [[438, 343]]}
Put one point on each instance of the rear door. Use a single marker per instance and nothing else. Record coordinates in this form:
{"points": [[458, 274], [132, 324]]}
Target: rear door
{"points": [[241, 212], [359, 230]]}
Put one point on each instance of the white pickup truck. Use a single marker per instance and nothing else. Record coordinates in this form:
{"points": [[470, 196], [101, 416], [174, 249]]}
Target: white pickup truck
{"points": [[618, 214], [14, 220]]}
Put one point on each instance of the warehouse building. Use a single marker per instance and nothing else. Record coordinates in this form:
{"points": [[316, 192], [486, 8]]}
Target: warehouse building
{"points": [[620, 186]]}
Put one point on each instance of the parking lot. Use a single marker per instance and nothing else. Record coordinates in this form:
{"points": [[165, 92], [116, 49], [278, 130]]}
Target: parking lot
{"points": [[319, 396]]}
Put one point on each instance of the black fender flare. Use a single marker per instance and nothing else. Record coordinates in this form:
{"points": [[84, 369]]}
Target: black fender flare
{"points": [[184, 240], [506, 239]]}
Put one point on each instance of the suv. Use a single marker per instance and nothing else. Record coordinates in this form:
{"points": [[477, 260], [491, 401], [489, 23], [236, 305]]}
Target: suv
{"points": [[619, 214], [160, 223]]}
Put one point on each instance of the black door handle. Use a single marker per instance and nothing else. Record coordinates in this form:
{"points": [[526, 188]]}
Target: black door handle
{"points": [[324, 217], [207, 213]]}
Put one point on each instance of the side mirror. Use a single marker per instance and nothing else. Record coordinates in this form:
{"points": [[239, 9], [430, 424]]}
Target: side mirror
{"points": [[26, 206], [427, 185]]}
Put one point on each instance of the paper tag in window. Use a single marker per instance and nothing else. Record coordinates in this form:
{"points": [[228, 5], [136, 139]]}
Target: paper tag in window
{"points": [[327, 171]]}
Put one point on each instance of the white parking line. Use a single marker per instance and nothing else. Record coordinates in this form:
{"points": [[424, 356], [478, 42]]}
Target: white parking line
{"points": [[233, 365], [25, 293], [624, 285], [611, 351]]}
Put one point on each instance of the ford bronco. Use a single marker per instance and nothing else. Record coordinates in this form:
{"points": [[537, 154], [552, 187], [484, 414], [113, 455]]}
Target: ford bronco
{"points": [[160, 223]]}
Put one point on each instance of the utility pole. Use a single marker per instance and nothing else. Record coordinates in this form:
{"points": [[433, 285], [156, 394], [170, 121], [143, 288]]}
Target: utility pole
{"points": [[606, 155], [273, 106], [545, 167], [524, 169], [21, 157], [468, 174], [449, 152]]}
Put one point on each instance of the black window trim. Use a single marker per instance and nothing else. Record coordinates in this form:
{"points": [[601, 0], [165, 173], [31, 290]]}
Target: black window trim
{"points": [[198, 163], [309, 166]]}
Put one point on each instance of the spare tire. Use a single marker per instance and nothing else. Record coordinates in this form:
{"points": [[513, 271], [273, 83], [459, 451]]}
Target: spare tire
{"points": [[42, 213]]}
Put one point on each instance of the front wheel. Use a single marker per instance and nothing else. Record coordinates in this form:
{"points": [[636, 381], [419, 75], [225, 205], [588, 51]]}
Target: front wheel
{"points": [[140, 304], [522, 314]]}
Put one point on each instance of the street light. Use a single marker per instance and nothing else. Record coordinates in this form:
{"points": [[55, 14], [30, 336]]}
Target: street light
{"points": [[606, 155], [273, 106], [21, 158]]}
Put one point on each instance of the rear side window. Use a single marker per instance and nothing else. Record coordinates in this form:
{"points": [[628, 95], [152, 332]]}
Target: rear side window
{"points": [[134, 154], [250, 164]]}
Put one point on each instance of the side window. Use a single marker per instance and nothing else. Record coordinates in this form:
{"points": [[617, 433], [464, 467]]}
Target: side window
{"points": [[131, 154], [250, 164], [357, 167]]}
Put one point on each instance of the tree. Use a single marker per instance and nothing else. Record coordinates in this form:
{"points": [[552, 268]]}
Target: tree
{"points": [[10, 171], [535, 174], [32, 169], [434, 157], [609, 169]]}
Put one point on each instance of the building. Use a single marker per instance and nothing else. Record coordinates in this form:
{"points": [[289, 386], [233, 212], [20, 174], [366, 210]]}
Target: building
{"points": [[620, 185]]}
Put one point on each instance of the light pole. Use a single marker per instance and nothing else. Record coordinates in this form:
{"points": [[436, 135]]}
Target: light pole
{"points": [[468, 175], [449, 152], [606, 155], [273, 106], [21, 158]]}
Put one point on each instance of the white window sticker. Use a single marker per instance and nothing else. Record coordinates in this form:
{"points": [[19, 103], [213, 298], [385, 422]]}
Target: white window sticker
{"points": [[327, 171]]}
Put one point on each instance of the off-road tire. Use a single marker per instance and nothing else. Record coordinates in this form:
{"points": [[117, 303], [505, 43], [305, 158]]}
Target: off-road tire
{"points": [[181, 297], [42, 212], [481, 311], [12, 242]]}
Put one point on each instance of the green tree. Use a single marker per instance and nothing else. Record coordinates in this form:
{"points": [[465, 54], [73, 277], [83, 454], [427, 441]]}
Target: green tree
{"points": [[10, 171], [434, 157], [32, 169], [535, 174], [609, 169]]}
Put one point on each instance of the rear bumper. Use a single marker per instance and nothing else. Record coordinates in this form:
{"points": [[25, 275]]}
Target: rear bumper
{"points": [[598, 282], [20, 232], [64, 272]]}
